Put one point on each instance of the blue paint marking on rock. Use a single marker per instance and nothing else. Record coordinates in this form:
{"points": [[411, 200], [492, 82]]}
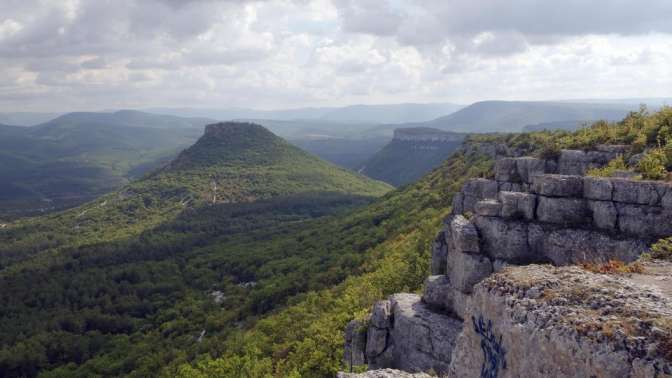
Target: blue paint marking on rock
{"points": [[494, 354]]}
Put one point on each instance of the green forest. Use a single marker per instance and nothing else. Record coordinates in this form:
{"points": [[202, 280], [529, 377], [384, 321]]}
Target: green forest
{"points": [[161, 281]]}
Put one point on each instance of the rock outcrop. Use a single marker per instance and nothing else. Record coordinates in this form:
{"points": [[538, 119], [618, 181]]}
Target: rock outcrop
{"points": [[383, 373], [544, 321], [533, 211]]}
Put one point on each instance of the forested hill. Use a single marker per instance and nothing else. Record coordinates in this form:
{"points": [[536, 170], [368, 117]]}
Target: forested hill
{"points": [[230, 163]]}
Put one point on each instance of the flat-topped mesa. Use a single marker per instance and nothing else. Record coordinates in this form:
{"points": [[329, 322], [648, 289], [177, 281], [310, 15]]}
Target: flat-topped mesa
{"points": [[426, 134], [533, 211]]}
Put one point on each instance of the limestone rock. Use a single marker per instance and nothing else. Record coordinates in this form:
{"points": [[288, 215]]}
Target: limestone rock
{"points": [[420, 338], [518, 205], [604, 214], [542, 321], [355, 344], [467, 269], [504, 239], [380, 315], [616, 149], [488, 208], [519, 170], [597, 188], [505, 170], [529, 167], [576, 162], [510, 187], [666, 200], [439, 254], [463, 236], [558, 185], [376, 342], [638, 192], [383, 373], [644, 221], [458, 203], [475, 190], [436, 292], [573, 246], [565, 211]]}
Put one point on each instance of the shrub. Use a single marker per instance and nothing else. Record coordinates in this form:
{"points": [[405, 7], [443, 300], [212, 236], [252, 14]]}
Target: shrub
{"points": [[617, 164], [662, 249], [652, 165], [613, 267]]}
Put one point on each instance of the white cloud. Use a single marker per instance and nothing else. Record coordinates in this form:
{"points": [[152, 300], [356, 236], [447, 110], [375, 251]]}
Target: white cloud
{"points": [[95, 54]]}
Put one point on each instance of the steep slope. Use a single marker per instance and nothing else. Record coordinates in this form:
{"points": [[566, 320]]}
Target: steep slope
{"points": [[512, 116], [347, 153], [411, 154], [79, 156]]}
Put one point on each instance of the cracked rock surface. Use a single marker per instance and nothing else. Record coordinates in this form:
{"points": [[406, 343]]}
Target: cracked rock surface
{"points": [[544, 321]]}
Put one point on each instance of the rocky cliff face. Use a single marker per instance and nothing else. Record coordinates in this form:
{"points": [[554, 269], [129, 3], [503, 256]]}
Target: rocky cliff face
{"points": [[529, 320], [411, 154], [426, 134]]}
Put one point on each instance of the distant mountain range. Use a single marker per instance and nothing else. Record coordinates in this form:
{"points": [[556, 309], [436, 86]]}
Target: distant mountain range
{"points": [[376, 114], [513, 116], [26, 118], [79, 156]]}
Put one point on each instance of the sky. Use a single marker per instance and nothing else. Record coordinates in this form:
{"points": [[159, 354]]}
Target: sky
{"points": [[66, 55]]}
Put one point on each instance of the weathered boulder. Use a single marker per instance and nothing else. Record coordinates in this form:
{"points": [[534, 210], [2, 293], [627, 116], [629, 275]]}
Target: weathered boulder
{"points": [[488, 208], [542, 321], [420, 339], [615, 149], [573, 246], [457, 204], [511, 187], [644, 221], [462, 235], [558, 185], [639, 192], [506, 170], [604, 214], [355, 344], [565, 211], [473, 191], [383, 373], [376, 344], [529, 167], [439, 254], [380, 315], [517, 205], [572, 162], [666, 200], [504, 239], [577, 162], [467, 269], [436, 292], [519, 170], [597, 188]]}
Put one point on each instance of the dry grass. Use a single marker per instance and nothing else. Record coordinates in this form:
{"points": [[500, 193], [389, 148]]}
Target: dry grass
{"points": [[613, 267]]}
